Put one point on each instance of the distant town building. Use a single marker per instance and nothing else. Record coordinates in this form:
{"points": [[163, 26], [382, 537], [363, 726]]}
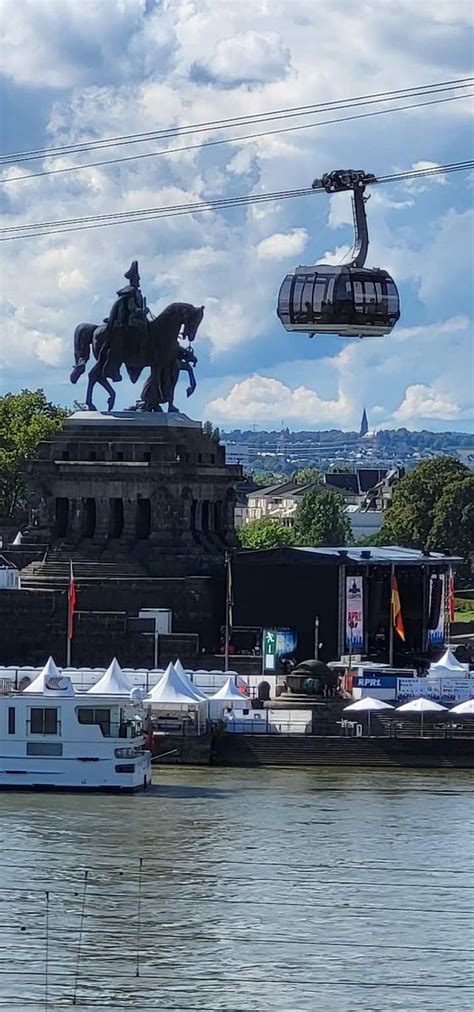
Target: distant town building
{"points": [[367, 493]]}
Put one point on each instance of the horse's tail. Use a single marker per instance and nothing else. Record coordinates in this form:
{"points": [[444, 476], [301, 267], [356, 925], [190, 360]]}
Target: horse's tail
{"points": [[82, 349]]}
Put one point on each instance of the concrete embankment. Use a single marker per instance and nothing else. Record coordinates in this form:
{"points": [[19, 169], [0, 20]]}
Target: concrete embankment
{"points": [[308, 750]]}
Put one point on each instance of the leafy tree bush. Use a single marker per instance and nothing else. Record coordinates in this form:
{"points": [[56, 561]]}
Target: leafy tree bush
{"points": [[410, 520], [25, 419], [320, 520], [307, 475], [265, 533]]}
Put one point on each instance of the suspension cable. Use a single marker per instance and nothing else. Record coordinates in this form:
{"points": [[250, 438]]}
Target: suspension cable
{"points": [[238, 139], [149, 214]]}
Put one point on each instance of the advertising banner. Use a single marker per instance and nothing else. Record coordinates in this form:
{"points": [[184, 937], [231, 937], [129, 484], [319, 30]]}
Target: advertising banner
{"points": [[278, 645], [354, 614], [447, 691], [436, 636], [370, 681]]}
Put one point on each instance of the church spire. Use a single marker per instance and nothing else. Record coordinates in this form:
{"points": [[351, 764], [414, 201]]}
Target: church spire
{"points": [[364, 425]]}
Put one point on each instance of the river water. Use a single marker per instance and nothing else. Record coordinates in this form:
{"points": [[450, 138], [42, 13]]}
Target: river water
{"points": [[271, 890]]}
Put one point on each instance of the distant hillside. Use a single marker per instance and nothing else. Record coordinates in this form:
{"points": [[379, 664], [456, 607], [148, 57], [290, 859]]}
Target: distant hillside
{"points": [[396, 440]]}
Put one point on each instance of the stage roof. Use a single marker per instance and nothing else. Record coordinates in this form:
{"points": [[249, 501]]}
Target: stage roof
{"points": [[371, 556]]}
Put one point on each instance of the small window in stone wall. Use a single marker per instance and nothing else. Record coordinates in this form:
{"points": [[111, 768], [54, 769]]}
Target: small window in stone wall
{"points": [[147, 456], [65, 455], [117, 455], [92, 455]]}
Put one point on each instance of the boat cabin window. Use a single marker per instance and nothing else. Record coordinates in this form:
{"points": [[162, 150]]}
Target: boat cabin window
{"points": [[11, 719], [92, 715], [43, 720]]}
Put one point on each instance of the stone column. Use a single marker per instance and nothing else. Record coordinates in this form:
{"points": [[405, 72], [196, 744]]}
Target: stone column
{"points": [[129, 519], [102, 509], [75, 520]]}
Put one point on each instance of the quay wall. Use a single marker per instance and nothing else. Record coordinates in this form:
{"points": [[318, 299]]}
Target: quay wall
{"points": [[308, 750]]}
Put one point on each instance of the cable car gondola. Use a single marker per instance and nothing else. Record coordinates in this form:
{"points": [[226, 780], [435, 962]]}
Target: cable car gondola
{"points": [[350, 300]]}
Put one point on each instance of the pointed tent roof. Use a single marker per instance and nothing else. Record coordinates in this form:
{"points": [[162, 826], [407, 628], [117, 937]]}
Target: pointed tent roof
{"points": [[229, 693], [448, 662], [367, 704], [50, 681], [112, 683], [421, 705], [178, 667], [172, 691], [465, 709]]}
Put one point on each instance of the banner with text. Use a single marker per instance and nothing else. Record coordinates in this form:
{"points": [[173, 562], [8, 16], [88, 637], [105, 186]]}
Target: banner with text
{"points": [[436, 636], [354, 614], [447, 691]]}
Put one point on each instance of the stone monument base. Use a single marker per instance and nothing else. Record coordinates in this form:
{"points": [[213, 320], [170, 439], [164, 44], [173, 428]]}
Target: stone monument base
{"points": [[129, 486]]}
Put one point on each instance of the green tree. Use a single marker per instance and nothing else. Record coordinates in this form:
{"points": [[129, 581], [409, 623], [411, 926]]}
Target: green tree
{"points": [[307, 475], [265, 533], [320, 520], [25, 419], [341, 469], [453, 519], [208, 429], [409, 519], [266, 480]]}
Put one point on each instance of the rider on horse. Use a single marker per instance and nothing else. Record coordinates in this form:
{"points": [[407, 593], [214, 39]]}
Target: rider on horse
{"points": [[126, 330]]}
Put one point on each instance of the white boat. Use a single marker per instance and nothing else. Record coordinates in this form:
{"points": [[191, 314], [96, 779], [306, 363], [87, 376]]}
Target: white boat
{"points": [[53, 738]]}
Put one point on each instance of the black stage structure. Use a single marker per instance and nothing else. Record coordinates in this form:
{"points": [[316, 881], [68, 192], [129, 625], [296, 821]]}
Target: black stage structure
{"points": [[305, 589]]}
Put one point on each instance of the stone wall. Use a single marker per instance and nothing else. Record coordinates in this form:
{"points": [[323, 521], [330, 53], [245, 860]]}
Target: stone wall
{"points": [[33, 622], [157, 490]]}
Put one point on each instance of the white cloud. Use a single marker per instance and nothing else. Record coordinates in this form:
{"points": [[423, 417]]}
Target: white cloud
{"points": [[264, 399], [125, 70], [248, 56], [422, 401], [59, 43], [281, 245]]}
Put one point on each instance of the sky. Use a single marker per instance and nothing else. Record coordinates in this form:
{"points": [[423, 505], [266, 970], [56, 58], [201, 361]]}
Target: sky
{"points": [[101, 68]]}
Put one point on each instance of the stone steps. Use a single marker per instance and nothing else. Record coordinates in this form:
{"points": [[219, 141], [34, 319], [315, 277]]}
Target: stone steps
{"points": [[54, 573], [309, 750]]}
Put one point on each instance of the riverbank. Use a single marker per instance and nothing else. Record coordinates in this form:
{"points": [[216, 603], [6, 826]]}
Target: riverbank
{"points": [[288, 750]]}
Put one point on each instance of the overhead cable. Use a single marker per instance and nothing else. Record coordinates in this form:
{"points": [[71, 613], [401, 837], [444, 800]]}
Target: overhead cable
{"points": [[238, 139], [80, 147], [79, 224]]}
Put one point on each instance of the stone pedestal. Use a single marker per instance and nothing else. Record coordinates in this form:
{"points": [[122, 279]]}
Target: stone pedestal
{"points": [[152, 487]]}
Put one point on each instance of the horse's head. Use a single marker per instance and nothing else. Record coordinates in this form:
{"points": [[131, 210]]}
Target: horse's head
{"points": [[181, 315], [192, 317]]}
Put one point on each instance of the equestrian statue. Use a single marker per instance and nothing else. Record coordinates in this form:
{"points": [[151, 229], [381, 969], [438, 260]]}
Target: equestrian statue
{"points": [[128, 338]]}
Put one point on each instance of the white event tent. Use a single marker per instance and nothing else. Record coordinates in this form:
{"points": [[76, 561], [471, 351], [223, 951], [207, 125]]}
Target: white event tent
{"points": [[181, 673], [172, 693], [448, 666], [112, 683], [229, 693], [51, 681]]}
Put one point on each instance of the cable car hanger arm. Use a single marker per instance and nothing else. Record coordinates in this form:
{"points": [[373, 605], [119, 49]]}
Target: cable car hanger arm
{"points": [[355, 180]]}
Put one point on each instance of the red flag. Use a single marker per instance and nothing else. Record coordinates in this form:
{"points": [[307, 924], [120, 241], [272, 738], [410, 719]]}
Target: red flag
{"points": [[397, 617], [451, 598], [71, 605]]}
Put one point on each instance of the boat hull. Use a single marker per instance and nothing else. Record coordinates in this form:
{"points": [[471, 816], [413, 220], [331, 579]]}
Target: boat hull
{"points": [[50, 774]]}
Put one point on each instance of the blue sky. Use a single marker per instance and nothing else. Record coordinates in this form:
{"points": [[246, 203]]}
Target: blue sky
{"points": [[75, 71]]}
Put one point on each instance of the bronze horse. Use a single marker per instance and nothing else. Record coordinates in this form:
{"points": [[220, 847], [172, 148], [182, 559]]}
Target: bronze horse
{"points": [[160, 349]]}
